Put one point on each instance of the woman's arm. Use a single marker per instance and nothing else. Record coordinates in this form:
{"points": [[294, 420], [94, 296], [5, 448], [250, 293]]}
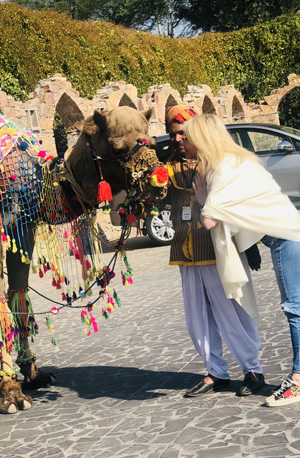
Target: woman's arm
{"points": [[208, 223], [200, 190]]}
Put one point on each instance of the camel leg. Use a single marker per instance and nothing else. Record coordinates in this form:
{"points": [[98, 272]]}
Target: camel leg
{"points": [[18, 277], [11, 397]]}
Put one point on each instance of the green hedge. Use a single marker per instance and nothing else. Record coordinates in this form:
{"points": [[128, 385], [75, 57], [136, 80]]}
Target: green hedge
{"points": [[35, 45]]}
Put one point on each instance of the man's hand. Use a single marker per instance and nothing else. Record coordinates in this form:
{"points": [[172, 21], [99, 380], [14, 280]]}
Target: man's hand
{"points": [[200, 189]]}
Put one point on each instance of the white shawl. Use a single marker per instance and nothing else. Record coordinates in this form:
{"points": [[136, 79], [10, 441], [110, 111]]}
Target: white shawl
{"points": [[249, 204]]}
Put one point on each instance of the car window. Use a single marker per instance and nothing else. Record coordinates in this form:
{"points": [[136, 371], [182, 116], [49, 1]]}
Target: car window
{"points": [[264, 142], [236, 137], [296, 144]]}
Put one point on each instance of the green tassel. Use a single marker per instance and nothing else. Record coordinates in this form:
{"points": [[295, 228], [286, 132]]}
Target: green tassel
{"points": [[116, 298], [106, 315]]}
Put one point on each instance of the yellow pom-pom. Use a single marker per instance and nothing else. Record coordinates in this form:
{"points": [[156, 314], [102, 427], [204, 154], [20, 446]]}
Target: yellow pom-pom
{"points": [[14, 246]]}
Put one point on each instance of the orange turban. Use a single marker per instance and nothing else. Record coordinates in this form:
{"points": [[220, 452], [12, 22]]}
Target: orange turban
{"points": [[179, 113]]}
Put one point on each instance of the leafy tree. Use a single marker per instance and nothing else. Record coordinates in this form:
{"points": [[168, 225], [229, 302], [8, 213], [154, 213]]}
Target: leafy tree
{"points": [[228, 15], [60, 134], [170, 17], [160, 15], [77, 9]]}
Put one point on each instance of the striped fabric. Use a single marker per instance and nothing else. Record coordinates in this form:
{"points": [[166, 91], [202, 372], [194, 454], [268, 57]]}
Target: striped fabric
{"points": [[192, 244]]}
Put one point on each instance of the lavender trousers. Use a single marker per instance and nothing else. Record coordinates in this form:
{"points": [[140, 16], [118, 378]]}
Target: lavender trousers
{"points": [[211, 316]]}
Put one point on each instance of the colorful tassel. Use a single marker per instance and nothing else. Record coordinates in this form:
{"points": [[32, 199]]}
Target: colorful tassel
{"points": [[104, 191]]}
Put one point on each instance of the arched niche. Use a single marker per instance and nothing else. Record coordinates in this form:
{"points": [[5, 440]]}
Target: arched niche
{"points": [[288, 108], [126, 101], [208, 106], [68, 120], [237, 109], [170, 102]]}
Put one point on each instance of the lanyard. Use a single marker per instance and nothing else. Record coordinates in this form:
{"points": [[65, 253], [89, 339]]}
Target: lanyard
{"points": [[188, 185]]}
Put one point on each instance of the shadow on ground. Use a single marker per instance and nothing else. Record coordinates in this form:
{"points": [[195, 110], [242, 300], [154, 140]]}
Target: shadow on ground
{"points": [[133, 243], [127, 383]]}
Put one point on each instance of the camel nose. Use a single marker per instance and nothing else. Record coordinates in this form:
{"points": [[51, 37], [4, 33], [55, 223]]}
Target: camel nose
{"points": [[151, 141]]}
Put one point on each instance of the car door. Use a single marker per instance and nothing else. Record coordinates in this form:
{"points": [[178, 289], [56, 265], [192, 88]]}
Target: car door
{"points": [[284, 166]]}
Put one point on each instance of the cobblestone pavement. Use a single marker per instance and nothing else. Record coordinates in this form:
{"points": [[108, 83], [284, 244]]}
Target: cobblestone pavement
{"points": [[119, 392]]}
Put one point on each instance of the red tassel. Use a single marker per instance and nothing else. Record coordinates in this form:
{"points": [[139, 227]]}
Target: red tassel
{"points": [[131, 218], [104, 191]]}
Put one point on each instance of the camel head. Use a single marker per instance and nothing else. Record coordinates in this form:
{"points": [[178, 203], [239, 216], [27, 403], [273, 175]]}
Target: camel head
{"points": [[115, 146]]}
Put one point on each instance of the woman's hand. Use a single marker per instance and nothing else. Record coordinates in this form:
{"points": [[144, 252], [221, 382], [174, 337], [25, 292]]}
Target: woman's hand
{"points": [[200, 189]]}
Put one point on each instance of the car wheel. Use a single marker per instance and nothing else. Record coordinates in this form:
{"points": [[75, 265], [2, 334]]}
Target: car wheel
{"points": [[160, 228]]}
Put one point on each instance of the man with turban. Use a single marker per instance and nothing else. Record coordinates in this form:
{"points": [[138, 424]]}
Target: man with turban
{"points": [[209, 314]]}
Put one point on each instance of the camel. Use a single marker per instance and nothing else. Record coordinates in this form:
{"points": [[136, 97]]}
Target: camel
{"points": [[113, 153]]}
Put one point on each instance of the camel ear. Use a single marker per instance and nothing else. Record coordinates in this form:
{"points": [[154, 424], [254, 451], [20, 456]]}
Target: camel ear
{"points": [[147, 113], [100, 120], [94, 123]]}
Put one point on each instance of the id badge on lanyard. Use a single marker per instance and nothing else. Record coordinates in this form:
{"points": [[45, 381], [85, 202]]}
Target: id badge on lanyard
{"points": [[186, 214]]}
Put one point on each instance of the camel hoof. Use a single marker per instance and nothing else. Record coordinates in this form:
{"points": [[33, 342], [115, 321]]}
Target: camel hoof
{"points": [[34, 378], [25, 405], [12, 399], [40, 380], [53, 379], [12, 408]]}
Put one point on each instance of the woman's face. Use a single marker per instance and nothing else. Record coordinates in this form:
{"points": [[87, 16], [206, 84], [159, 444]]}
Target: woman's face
{"points": [[190, 149]]}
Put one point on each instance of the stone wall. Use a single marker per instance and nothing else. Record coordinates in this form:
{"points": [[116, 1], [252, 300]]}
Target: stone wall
{"points": [[55, 94]]}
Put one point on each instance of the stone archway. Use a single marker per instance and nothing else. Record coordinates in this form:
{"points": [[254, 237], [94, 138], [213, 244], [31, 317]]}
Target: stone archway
{"points": [[71, 118], [127, 102], [288, 108], [208, 106], [237, 109]]}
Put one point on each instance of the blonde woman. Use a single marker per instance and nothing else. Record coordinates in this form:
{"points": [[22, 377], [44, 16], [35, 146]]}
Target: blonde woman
{"points": [[210, 316], [241, 205]]}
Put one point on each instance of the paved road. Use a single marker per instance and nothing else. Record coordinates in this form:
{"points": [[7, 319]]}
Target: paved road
{"points": [[119, 393]]}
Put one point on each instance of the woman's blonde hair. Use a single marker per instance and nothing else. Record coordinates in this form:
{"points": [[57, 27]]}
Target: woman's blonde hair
{"points": [[212, 140]]}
